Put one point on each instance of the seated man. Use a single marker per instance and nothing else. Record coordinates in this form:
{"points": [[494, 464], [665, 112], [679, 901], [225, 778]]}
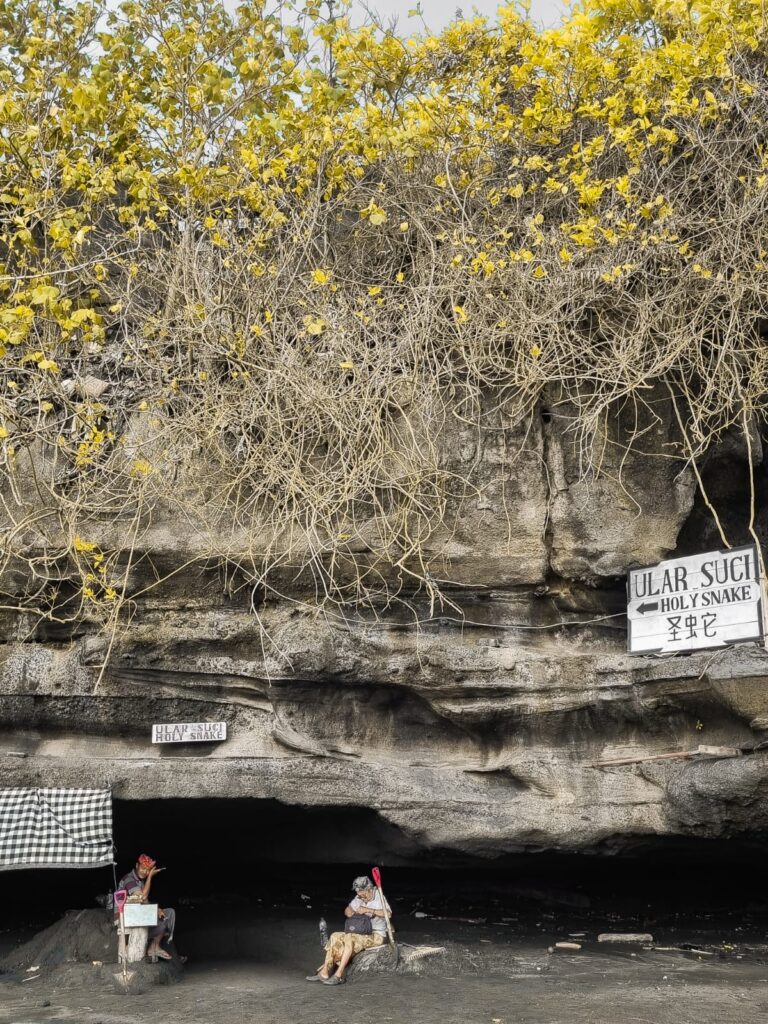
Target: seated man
{"points": [[342, 946], [137, 884]]}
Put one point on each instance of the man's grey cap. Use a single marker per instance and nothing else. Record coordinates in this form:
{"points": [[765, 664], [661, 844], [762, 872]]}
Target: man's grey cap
{"points": [[362, 882]]}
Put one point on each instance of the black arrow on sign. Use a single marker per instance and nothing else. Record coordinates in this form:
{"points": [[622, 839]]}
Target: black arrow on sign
{"points": [[650, 606]]}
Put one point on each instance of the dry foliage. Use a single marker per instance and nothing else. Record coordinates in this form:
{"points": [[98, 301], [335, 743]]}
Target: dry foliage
{"points": [[250, 292]]}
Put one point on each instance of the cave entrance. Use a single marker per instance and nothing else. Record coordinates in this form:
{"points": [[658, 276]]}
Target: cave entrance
{"points": [[250, 880]]}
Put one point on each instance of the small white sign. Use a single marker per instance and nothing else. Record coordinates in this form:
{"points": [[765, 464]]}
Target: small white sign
{"points": [[140, 915], [687, 604], [189, 732]]}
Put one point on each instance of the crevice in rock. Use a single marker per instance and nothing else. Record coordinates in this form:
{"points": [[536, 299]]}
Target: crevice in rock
{"points": [[725, 473], [546, 444]]}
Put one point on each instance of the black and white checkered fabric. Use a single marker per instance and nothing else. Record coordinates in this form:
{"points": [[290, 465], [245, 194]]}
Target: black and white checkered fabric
{"points": [[55, 828]]}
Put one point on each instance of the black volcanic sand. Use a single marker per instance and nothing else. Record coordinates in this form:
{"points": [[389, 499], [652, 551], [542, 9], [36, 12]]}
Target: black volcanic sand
{"points": [[248, 961]]}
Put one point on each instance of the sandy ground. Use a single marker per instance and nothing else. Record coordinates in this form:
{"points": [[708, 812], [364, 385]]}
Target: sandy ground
{"points": [[491, 974], [240, 992]]}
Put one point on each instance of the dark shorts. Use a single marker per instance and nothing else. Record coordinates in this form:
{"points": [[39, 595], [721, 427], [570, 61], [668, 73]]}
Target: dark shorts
{"points": [[166, 926]]}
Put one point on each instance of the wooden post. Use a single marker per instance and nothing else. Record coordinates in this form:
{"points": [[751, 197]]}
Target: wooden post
{"points": [[137, 944], [122, 942]]}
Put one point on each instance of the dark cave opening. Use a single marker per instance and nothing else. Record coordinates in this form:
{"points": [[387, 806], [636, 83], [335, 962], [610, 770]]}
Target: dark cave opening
{"points": [[239, 869], [725, 475]]}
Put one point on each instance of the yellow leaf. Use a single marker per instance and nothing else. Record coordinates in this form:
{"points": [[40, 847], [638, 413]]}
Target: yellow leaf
{"points": [[43, 294], [461, 314], [346, 365], [46, 406], [320, 277], [375, 290], [535, 352], [143, 406], [79, 316], [702, 271], [314, 325], [539, 272], [48, 364], [375, 214], [3, 433], [195, 95], [404, 225]]}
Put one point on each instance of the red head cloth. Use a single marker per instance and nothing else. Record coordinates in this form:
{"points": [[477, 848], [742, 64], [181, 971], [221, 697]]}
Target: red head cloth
{"points": [[146, 862]]}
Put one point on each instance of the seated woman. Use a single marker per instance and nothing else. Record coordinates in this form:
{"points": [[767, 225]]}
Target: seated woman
{"points": [[137, 883], [342, 946]]}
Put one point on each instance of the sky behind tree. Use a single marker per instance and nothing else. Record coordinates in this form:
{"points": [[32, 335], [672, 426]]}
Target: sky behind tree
{"points": [[438, 13]]}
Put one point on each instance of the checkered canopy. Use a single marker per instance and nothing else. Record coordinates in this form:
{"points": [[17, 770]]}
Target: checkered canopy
{"points": [[55, 828]]}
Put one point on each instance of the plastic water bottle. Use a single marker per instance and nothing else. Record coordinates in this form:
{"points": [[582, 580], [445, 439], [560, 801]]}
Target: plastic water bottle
{"points": [[323, 932]]}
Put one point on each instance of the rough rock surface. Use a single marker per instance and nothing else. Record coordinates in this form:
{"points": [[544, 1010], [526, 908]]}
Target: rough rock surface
{"points": [[478, 733]]}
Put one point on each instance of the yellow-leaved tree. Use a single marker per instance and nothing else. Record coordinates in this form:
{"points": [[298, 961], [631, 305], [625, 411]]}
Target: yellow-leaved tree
{"points": [[252, 263]]}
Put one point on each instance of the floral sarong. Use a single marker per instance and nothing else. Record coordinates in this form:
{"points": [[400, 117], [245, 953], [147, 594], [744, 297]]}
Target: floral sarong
{"points": [[339, 942]]}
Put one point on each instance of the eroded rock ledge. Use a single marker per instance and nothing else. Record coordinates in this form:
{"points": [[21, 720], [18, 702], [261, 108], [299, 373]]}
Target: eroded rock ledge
{"points": [[479, 731]]}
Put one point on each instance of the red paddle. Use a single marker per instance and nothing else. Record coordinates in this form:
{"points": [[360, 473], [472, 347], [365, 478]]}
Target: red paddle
{"points": [[377, 881]]}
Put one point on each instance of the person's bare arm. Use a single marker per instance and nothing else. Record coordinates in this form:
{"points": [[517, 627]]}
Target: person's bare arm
{"points": [[148, 884], [369, 912]]}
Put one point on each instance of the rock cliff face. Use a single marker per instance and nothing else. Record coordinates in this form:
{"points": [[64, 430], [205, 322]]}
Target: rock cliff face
{"points": [[480, 731]]}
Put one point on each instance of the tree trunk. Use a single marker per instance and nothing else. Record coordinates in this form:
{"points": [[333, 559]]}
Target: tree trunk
{"points": [[136, 944]]}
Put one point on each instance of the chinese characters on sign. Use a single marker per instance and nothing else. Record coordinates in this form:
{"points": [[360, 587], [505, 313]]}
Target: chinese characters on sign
{"points": [[190, 732], [686, 604]]}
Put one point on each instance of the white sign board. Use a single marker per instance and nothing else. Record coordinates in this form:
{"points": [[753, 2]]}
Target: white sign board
{"points": [[687, 604], [189, 732], [140, 915]]}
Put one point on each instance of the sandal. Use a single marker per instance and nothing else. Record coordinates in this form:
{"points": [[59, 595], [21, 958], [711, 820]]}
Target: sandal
{"points": [[315, 977], [334, 980], [164, 955]]}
